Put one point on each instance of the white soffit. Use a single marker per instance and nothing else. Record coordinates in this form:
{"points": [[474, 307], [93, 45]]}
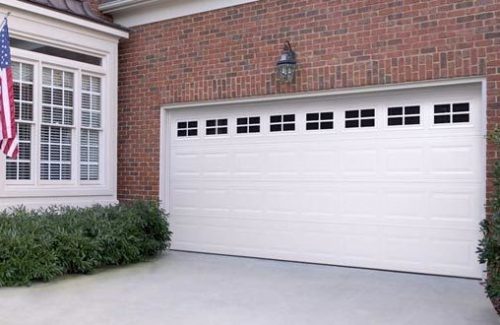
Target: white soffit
{"points": [[131, 13]]}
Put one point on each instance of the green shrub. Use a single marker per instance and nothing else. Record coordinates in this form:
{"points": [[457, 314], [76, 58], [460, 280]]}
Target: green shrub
{"points": [[489, 245], [46, 243]]}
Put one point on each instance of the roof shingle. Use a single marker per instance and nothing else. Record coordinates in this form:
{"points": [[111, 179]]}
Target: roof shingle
{"points": [[78, 8]]}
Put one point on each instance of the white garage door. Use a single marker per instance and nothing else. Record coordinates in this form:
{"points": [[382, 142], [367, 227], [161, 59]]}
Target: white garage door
{"points": [[390, 180]]}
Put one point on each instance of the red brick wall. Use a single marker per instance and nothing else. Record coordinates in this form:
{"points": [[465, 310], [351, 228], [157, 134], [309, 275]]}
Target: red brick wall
{"points": [[232, 53]]}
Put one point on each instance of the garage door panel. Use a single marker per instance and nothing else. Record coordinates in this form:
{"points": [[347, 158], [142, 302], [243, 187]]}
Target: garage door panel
{"points": [[281, 162], [216, 164], [320, 203], [247, 200], [320, 162], [356, 162], [403, 161], [185, 164], [403, 197], [453, 207], [453, 160], [247, 164], [351, 209]]}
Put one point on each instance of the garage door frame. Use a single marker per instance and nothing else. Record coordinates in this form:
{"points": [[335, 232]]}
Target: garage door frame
{"points": [[166, 112]]}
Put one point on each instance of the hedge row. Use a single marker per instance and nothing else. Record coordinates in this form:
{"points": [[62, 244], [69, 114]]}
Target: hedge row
{"points": [[44, 244]]}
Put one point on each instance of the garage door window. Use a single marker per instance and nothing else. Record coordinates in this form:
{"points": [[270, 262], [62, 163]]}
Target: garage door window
{"points": [[248, 124], [408, 115], [214, 127], [280, 123], [187, 129], [451, 113], [319, 121], [360, 118]]}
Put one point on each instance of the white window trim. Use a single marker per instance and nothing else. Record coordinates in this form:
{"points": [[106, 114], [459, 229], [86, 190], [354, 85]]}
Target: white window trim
{"points": [[41, 61]]}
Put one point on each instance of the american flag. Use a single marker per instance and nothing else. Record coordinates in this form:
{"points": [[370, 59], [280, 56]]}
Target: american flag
{"points": [[8, 133]]}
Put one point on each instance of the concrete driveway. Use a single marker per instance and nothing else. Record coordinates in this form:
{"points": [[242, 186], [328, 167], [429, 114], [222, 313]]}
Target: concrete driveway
{"points": [[187, 288]]}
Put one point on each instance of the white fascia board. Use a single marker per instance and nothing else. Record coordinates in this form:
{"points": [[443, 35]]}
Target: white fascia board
{"points": [[70, 19], [131, 13], [119, 5]]}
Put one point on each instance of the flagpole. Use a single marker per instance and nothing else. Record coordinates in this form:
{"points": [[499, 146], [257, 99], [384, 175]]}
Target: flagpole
{"points": [[4, 20]]}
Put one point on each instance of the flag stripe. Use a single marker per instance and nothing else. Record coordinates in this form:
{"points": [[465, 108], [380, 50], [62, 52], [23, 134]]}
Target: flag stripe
{"points": [[8, 133], [6, 118], [3, 126]]}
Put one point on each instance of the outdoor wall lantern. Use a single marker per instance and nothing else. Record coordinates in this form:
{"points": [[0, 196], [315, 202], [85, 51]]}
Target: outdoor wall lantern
{"points": [[287, 64]]}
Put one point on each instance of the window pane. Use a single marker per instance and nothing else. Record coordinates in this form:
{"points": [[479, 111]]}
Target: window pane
{"points": [[20, 168], [91, 102], [412, 110], [55, 153], [93, 172], [461, 107], [57, 97], [412, 120], [395, 111], [254, 120], [254, 129], [312, 116], [23, 91], [460, 118], [352, 114], [11, 170], [367, 123], [439, 119], [89, 154], [442, 108], [85, 83], [312, 126], [367, 112]]}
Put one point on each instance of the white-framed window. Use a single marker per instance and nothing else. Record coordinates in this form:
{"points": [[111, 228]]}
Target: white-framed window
{"points": [[59, 115]]}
